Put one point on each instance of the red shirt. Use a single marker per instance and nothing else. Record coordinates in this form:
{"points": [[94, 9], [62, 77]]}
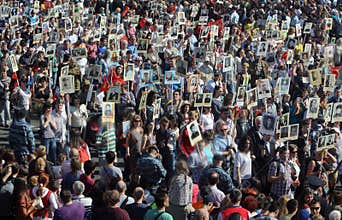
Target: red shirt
{"points": [[88, 183], [233, 209]]}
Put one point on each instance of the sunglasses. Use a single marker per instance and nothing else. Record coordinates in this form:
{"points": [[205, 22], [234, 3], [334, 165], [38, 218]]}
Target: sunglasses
{"points": [[315, 208], [137, 121], [224, 129]]}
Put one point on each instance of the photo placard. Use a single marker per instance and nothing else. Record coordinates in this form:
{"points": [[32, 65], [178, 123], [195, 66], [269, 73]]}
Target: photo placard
{"points": [[194, 132], [268, 124], [108, 112], [67, 84], [313, 108]]}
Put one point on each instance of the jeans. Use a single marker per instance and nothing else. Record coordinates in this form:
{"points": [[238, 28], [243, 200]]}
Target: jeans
{"points": [[169, 162], [5, 114], [51, 149]]}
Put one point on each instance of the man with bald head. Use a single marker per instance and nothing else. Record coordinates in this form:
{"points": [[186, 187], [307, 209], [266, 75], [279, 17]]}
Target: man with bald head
{"points": [[138, 209], [124, 199]]}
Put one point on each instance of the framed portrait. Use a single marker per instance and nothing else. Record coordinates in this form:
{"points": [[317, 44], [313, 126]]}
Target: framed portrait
{"points": [[337, 112], [205, 32], [111, 40], [264, 88], [284, 133], [157, 109], [171, 77], [126, 126], [329, 51], [291, 43], [307, 48], [94, 71], [181, 19], [315, 77], [283, 120], [307, 27], [50, 50], [37, 38], [241, 93], [13, 63], [330, 141], [67, 84], [321, 143], [68, 25], [329, 82], [298, 30], [65, 70], [284, 85], [262, 48], [251, 98], [194, 133], [313, 108], [143, 100], [53, 37], [155, 76], [108, 112], [182, 66], [203, 20], [289, 57], [228, 63], [285, 26], [198, 100], [226, 32], [192, 83], [36, 6], [214, 30], [207, 99], [145, 76], [293, 131], [113, 94], [327, 112], [142, 46], [328, 24], [129, 72], [79, 53], [268, 124]]}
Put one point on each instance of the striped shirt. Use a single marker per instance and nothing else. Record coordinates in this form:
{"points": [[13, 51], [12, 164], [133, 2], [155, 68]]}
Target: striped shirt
{"points": [[110, 136]]}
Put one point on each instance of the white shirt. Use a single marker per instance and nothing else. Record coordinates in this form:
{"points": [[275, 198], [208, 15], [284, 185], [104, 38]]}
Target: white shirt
{"points": [[243, 161], [207, 121]]}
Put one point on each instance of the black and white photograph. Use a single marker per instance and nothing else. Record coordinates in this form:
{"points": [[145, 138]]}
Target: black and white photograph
{"points": [[67, 84], [182, 66], [284, 133], [228, 63], [208, 97], [294, 131], [50, 50], [113, 94], [145, 76], [108, 112], [241, 93], [283, 120], [315, 77], [307, 48], [65, 70], [321, 143], [143, 100], [298, 30], [313, 108], [289, 57], [198, 100], [268, 124], [203, 20], [192, 83], [330, 141], [13, 63], [329, 82], [262, 49], [129, 72], [307, 27], [251, 98], [327, 112], [194, 133], [142, 46], [291, 43], [284, 85], [181, 18], [264, 88], [328, 24], [79, 53], [171, 77], [337, 112]]}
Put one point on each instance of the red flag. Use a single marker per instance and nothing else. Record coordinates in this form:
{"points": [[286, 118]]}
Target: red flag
{"points": [[335, 70], [284, 55]]}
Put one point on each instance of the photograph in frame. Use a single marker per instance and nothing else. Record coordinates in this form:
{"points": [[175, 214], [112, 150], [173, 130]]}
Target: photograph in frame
{"points": [[171, 77], [313, 108], [67, 84], [264, 88], [13, 63], [143, 100], [315, 77], [293, 131], [194, 133], [129, 72], [113, 94], [192, 83], [327, 112], [284, 85], [108, 112], [65, 70], [284, 133], [321, 143], [329, 82], [330, 141], [337, 112], [198, 100], [207, 99], [126, 126], [241, 93], [251, 98], [142, 46], [268, 124], [145, 76]]}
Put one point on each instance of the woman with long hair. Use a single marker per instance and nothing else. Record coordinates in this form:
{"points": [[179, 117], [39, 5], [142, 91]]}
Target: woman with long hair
{"points": [[134, 143], [24, 207], [180, 192], [243, 163]]}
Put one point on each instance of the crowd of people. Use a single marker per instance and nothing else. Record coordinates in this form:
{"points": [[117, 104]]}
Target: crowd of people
{"points": [[218, 109]]}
